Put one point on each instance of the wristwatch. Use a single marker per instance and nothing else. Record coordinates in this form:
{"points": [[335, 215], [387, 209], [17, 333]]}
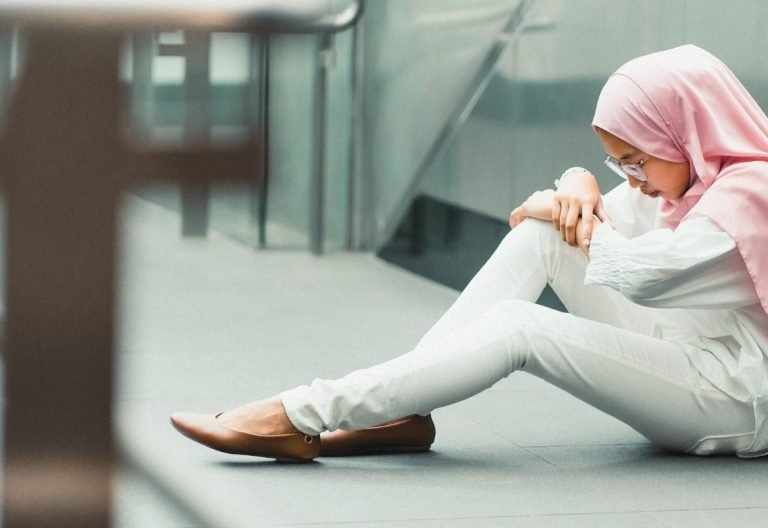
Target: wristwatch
{"points": [[572, 170]]}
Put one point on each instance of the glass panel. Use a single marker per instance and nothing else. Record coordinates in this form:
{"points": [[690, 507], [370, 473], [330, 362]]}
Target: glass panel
{"points": [[234, 92], [419, 60], [292, 81], [338, 134]]}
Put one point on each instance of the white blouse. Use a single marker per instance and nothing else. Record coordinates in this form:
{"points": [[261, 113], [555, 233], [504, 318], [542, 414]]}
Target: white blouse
{"points": [[695, 266], [697, 278]]}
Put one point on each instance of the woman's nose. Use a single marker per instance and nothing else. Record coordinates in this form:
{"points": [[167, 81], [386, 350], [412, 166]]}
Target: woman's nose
{"points": [[634, 182]]}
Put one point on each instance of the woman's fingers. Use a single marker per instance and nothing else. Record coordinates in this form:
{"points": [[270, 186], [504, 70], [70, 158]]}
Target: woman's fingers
{"points": [[538, 205], [516, 216], [556, 213], [574, 214], [571, 221], [563, 219], [586, 224], [585, 234]]}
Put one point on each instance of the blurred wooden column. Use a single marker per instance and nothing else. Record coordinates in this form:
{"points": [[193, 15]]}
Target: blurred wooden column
{"points": [[63, 170]]}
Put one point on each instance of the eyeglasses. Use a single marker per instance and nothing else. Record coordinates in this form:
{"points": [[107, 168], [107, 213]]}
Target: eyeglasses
{"points": [[634, 170]]}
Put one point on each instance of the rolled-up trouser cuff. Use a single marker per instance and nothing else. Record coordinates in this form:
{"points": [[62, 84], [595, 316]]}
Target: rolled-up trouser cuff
{"points": [[298, 413]]}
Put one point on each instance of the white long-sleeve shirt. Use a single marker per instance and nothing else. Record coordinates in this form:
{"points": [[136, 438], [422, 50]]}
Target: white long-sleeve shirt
{"points": [[695, 266], [705, 298]]}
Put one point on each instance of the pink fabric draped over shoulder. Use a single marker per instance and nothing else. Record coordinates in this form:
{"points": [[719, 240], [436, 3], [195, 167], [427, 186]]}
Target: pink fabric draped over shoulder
{"points": [[684, 104]]}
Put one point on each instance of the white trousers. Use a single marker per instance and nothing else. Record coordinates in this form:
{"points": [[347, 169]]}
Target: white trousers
{"points": [[601, 352]]}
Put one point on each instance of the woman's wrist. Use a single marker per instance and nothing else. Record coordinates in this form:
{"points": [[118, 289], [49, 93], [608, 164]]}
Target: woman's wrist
{"points": [[567, 173]]}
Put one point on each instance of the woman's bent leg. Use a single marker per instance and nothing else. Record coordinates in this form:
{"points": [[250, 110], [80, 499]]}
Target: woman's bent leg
{"points": [[645, 382], [530, 256]]}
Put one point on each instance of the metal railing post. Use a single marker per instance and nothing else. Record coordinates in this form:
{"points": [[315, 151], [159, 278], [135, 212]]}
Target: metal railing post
{"points": [[195, 195], [142, 52], [325, 58], [260, 74]]}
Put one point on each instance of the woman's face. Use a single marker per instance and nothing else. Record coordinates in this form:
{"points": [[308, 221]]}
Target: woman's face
{"points": [[666, 179]]}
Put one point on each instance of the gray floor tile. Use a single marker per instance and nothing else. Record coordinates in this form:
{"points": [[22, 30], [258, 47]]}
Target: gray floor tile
{"points": [[737, 517], [471, 472], [645, 478], [138, 504], [609, 520]]}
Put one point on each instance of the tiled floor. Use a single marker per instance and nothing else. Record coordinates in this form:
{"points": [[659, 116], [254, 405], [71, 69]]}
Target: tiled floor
{"points": [[208, 324]]}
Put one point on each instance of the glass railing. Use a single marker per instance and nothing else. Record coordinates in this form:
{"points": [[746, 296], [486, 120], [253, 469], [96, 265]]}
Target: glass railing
{"points": [[268, 86]]}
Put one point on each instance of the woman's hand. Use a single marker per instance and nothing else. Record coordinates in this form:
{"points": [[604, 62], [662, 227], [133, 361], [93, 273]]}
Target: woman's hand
{"points": [[583, 237], [538, 205], [573, 207]]}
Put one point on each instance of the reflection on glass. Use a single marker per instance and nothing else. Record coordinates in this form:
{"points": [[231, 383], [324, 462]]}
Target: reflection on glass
{"points": [[163, 97]]}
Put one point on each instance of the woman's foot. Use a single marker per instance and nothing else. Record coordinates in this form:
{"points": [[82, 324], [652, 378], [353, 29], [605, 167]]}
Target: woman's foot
{"points": [[262, 417], [258, 429]]}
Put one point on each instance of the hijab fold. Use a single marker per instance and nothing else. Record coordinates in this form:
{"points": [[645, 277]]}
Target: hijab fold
{"points": [[683, 104]]}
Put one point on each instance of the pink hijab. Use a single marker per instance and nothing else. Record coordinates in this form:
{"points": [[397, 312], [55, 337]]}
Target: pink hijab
{"points": [[683, 104]]}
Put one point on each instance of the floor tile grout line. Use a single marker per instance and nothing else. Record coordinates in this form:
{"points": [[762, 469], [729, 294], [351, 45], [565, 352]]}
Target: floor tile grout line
{"points": [[390, 522], [576, 446], [555, 446], [499, 435]]}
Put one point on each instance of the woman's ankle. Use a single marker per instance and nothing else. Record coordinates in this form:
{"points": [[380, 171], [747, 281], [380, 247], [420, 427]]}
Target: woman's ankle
{"points": [[284, 420]]}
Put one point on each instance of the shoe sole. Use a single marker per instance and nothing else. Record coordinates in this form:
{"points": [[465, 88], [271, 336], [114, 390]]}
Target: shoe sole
{"points": [[394, 450]]}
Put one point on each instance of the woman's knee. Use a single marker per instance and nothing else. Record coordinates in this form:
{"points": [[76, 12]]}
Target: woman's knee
{"points": [[526, 234], [535, 229], [547, 242]]}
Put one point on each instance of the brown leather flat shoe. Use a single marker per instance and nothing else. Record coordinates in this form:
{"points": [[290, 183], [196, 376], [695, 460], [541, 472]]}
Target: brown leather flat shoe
{"points": [[206, 429], [412, 434]]}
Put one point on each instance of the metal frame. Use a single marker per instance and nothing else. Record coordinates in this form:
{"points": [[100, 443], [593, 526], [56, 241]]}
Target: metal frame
{"points": [[317, 185], [359, 199], [251, 16], [260, 52]]}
